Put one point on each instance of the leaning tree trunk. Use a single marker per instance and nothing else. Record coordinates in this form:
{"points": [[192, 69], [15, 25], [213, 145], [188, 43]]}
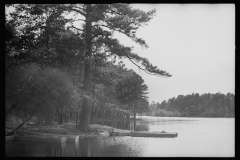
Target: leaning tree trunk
{"points": [[12, 132], [86, 105]]}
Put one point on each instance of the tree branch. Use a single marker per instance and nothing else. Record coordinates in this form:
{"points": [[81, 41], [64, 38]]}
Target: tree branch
{"points": [[141, 68], [21, 125], [113, 12], [80, 20], [78, 11], [118, 30], [76, 28], [80, 8], [101, 33], [112, 28]]}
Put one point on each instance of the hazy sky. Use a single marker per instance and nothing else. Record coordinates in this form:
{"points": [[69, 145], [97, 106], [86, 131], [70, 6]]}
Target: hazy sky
{"points": [[193, 42]]}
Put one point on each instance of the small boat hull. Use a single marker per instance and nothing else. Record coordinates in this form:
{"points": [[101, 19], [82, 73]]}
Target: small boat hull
{"points": [[154, 134]]}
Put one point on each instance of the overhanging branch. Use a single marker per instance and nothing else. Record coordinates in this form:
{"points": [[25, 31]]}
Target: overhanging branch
{"points": [[78, 11], [141, 67], [118, 30]]}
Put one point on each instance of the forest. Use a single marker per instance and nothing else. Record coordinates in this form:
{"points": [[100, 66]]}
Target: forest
{"points": [[63, 64], [195, 105]]}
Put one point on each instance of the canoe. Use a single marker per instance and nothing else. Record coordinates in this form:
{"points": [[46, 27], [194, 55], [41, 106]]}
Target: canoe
{"points": [[154, 134], [45, 137]]}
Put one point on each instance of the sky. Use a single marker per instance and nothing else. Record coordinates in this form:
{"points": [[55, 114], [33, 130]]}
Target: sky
{"points": [[195, 43]]}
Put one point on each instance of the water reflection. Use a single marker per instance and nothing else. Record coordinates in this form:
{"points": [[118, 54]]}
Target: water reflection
{"points": [[197, 137], [140, 125], [121, 124], [18, 149], [101, 146]]}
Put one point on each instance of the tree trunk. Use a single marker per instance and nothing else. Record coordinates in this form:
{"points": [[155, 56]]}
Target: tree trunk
{"points": [[102, 112], [92, 104], [12, 132], [134, 112], [58, 120], [56, 116], [86, 106], [134, 115], [61, 117], [76, 118], [92, 113], [64, 116]]}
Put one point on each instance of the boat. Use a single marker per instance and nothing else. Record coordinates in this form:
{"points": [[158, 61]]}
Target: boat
{"points": [[45, 137], [10, 138], [154, 134]]}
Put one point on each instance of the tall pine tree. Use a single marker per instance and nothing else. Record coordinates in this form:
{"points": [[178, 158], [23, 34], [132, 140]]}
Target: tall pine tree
{"points": [[99, 22]]}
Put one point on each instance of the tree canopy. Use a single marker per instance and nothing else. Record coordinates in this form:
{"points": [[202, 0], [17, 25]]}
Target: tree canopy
{"points": [[47, 35], [195, 105], [40, 92]]}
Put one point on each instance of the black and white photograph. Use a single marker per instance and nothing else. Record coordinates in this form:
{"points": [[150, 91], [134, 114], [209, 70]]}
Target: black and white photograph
{"points": [[120, 80]]}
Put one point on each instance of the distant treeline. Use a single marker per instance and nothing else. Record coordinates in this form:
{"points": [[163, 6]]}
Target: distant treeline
{"points": [[195, 105]]}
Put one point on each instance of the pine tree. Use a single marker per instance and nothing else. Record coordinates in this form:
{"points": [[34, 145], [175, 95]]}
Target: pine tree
{"points": [[99, 22]]}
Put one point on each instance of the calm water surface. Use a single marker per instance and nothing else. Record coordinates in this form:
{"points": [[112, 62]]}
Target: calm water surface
{"points": [[197, 137]]}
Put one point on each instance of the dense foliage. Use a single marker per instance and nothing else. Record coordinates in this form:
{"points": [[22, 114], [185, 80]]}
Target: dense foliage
{"points": [[132, 91], [195, 105], [41, 93], [44, 37]]}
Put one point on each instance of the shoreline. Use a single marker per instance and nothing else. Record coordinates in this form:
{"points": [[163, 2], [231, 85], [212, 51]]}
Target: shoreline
{"points": [[71, 129]]}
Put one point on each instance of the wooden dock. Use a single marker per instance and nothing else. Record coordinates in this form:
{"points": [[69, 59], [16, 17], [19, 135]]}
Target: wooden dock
{"points": [[155, 134]]}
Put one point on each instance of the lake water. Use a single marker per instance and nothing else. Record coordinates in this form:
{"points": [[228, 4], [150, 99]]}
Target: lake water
{"points": [[197, 137]]}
